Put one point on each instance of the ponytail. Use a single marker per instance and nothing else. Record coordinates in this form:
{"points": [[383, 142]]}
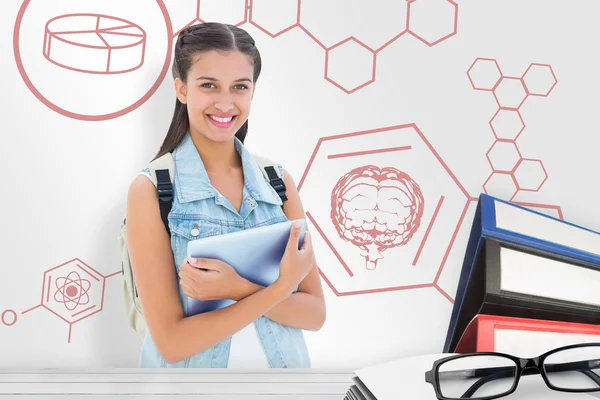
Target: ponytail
{"points": [[180, 124]]}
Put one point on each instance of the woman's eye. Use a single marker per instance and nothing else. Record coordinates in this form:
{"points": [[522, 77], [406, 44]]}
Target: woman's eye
{"points": [[242, 87], [207, 85]]}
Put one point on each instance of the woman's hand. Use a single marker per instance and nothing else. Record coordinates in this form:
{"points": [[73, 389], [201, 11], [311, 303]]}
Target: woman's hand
{"points": [[210, 279], [296, 264]]}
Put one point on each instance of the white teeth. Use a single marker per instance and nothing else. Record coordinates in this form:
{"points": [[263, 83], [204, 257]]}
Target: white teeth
{"points": [[223, 120]]}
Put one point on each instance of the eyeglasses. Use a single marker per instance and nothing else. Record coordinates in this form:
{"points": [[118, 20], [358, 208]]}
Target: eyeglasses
{"points": [[491, 375]]}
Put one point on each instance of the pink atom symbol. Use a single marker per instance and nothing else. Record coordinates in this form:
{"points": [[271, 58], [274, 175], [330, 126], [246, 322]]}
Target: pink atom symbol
{"points": [[376, 209], [72, 291]]}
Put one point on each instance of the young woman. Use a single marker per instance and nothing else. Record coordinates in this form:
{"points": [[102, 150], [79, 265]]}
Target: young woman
{"points": [[218, 188]]}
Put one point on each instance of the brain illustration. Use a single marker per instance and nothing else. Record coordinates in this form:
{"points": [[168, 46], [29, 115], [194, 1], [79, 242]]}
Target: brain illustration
{"points": [[376, 209]]}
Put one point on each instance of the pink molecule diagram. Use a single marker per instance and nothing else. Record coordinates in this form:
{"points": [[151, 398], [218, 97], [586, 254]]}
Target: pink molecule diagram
{"points": [[72, 291], [510, 168], [376, 209]]}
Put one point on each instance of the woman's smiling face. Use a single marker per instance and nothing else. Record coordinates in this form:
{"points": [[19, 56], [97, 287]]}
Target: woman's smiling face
{"points": [[218, 93]]}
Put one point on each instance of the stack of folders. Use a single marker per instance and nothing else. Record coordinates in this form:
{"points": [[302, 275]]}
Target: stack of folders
{"points": [[525, 267], [529, 283]]}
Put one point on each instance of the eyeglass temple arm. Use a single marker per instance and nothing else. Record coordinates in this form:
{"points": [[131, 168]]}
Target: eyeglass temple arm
{"points": [[579, 366], [505, 372], [494, 373]]}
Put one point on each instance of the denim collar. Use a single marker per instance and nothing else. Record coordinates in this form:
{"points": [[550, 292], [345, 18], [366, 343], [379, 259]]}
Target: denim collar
{"points": [[192, 182]]}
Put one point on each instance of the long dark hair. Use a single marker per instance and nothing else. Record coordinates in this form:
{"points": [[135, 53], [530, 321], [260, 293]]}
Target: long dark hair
{"points": [[191, 41]]}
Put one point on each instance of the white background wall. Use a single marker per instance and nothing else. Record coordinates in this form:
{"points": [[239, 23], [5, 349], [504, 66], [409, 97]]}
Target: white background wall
{"points": [[65, 176]]}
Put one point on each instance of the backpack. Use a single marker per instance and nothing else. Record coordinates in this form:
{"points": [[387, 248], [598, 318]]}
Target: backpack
{"points": [[162, 173]]}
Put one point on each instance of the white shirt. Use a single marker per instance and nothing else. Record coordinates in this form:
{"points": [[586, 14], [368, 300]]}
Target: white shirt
{"points": [[246, 350]]}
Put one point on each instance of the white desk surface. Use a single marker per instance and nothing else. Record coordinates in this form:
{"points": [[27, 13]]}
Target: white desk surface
{"points": [[405, 379], [216, 384]]}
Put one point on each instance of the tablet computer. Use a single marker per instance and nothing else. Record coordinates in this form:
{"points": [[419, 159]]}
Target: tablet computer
{"points": [[254, 253]]}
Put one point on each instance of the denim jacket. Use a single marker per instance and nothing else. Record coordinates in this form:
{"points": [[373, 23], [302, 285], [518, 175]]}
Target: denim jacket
{"points": [[199, 211]]}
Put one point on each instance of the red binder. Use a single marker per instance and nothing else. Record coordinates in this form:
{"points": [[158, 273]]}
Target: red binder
{"points": [[484, 333]]}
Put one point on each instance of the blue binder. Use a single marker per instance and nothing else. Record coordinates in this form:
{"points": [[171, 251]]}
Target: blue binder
{"points": [[486, 225]]}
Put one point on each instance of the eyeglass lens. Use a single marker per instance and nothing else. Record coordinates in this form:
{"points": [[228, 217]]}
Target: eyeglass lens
{"points": [[577, 368], [477, 376]]}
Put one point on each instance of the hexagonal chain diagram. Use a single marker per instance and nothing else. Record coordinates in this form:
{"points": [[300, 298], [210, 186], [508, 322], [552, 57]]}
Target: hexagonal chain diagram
{"points": [[350, 52], [72, 291], [342, 28], [511, 172], [379, 200]]}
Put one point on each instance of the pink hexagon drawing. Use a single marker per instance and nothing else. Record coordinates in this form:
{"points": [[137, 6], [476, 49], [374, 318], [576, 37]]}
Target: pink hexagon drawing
{"points": [[530, 175], [333, 21], [275, 17], [503, 156], [507, 124], [234, 12], [510, 93], [392, 201], [376, 209], [432, 21], [343, 54], [501, 185], [73, 291], [539, 79], [484, 74]]}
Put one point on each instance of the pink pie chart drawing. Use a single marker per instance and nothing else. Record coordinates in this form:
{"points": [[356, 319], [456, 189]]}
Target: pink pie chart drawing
{"points": [[94, 43], [93, 60]]}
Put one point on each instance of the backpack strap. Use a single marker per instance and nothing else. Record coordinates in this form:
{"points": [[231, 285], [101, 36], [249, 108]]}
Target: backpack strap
{"points": [[162, 174], [273, 174]]}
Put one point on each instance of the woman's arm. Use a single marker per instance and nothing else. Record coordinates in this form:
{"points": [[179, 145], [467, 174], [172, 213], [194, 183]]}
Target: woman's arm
{"points": [[176, 336], [306, 308]]}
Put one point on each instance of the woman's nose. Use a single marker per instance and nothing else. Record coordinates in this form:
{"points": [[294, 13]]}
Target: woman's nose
{"points": [[224, 103]]}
